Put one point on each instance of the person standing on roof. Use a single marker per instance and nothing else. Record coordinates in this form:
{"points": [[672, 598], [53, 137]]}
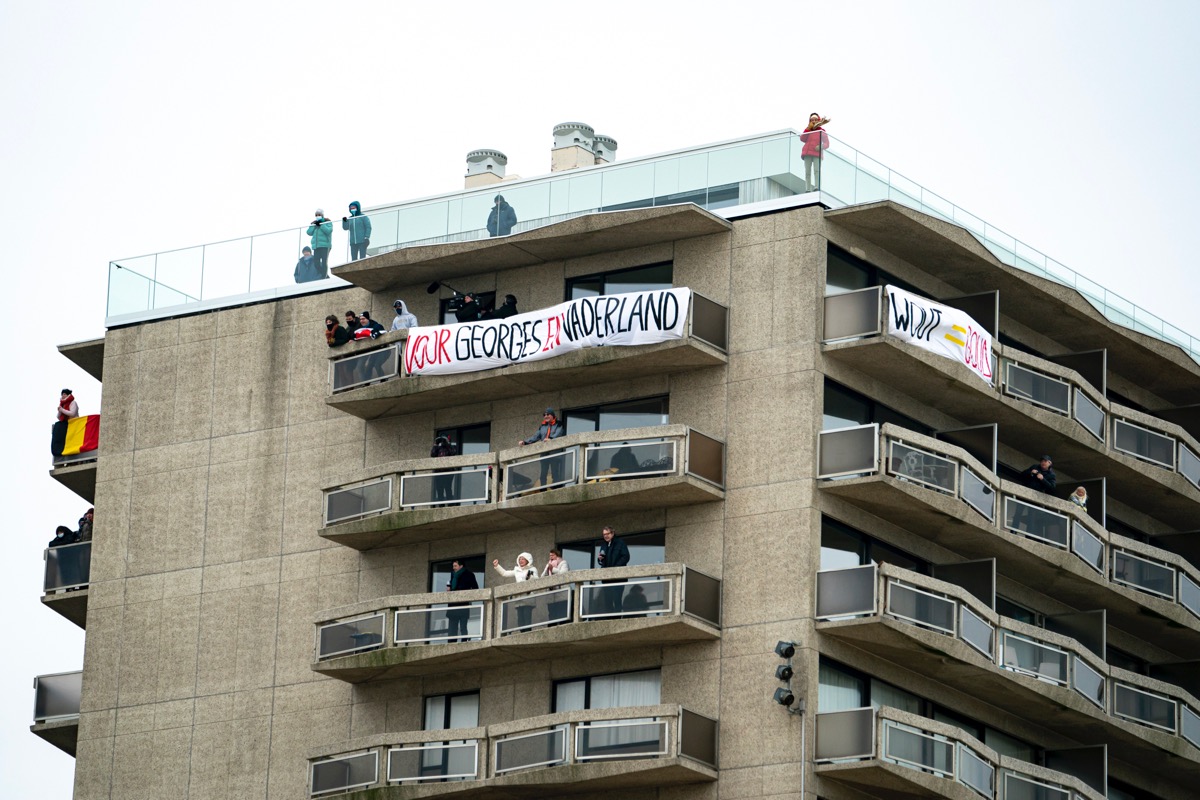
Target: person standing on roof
{"points": [[359, 226], [502, 219], [321, 231]]}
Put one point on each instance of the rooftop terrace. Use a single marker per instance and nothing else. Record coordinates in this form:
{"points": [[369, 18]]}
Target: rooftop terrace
{"points": [[731, 179]]}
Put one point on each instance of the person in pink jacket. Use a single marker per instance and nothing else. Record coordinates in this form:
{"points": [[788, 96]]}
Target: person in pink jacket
{"points": [[816, 142]]}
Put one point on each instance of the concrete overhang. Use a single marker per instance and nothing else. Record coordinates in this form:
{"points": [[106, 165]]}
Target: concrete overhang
{"points": [[602, 232], [62, 733], [954, 390], [585, 778], [576, 639], [1057, 573], [1056, 708], [88, 356], [878, 778], [953, 255], [79, 478], [584, 501], [72, 605], [406, 395]]}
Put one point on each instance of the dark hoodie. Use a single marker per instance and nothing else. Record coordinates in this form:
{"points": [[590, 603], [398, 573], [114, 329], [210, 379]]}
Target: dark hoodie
{"points": [[501, 220], [358, 224]]}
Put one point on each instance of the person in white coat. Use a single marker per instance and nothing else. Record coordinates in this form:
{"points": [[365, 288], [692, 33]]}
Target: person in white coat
{"points": [[523, 571]]}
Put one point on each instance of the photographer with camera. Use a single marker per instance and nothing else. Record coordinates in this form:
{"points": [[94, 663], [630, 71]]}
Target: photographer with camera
{"points": [[321, 231]]}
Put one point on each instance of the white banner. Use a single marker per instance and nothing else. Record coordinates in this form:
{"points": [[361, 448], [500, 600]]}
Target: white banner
{"points": [[604, 321], [940, 329]]}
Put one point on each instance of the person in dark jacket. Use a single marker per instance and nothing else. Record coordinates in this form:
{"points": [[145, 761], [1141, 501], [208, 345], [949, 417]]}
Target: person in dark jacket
{"points": [[351, 324], [469, 309], [507, 309], [550, 428], [306, 268], [613, 553], [503, 217], [66, 562], [84, 534], [461, 580], [367, 327], [445, 489], [335, 334], [1040, 477], [359, 226]]}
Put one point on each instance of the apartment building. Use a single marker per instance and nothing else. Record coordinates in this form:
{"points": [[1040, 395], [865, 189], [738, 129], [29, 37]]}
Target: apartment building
{"points": [[839, 584]]}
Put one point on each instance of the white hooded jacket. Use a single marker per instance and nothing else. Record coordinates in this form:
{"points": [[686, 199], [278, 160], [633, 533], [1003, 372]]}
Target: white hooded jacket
{"points": [[521, 574], [403, 319]]}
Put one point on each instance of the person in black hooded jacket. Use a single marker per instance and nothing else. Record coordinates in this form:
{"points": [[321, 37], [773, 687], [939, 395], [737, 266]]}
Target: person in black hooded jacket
{"points": [[502, 219]]}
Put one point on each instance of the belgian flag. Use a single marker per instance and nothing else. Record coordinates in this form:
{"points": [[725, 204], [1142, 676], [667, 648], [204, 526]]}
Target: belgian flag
{"points": [[74, 436]]}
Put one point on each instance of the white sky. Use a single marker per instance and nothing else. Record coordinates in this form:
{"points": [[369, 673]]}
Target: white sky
{"points": [[139, 126]]}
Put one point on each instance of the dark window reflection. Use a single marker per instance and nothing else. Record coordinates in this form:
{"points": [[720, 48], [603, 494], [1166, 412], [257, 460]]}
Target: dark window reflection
{"points": [[615, 416], [638, 279], [644, 548], [469, 440]]}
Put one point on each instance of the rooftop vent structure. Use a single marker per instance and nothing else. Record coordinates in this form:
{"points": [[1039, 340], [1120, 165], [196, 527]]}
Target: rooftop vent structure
{"points": [[572, 146], [484, 167], [605, 148]]}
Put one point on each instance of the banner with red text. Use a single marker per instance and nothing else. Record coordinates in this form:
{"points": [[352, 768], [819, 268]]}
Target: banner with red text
{"points": [[940, 329], [603, 321]]}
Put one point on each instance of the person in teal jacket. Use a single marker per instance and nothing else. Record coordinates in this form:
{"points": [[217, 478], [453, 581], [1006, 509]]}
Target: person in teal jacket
{"points": [[321, 231], [359, 226]]}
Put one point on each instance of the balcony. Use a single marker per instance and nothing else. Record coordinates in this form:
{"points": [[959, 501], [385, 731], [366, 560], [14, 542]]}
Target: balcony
{"points": [[56, 709], [1151, 464], [951, 498], [554, 617], [892, 753], [614, 749], [65, 584], [371, 383], [578, 476], [935, 627]]}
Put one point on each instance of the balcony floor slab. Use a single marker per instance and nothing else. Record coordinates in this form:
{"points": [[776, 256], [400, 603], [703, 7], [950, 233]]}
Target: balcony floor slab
{"points": [[63, 733], [957, 527], [79, 478], [879, 778], [72, 605], [568, 502]]}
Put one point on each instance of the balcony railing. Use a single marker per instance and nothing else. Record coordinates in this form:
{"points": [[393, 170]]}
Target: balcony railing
{"points": [[879, 591], [464, 758], [651, 591], [947, 470], [56, 697], [68, 566], [630, 454], [371, 366], [933, 748]]}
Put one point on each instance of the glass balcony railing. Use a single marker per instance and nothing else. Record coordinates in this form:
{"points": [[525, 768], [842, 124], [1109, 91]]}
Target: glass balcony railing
{"points": [[943, 468], [942, 751], [463, 755], [570, 461], [723, 175], [68, 567], [572, 598], [56, 697], [886, 591], [361, 369]]}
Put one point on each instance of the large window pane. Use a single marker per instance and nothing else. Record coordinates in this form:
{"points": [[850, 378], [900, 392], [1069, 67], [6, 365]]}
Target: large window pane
{"points": [[638, 279], [646, 412], [644, 548]]}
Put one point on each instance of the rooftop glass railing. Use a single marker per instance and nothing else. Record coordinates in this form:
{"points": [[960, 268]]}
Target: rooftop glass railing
{"points": [[554, 740], [940, 467], [727, 174], [879, 591], [642, 592], [934, 748]]}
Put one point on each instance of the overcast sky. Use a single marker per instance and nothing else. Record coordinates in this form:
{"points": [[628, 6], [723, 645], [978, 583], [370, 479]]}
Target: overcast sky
{"points": [[136, 126]]}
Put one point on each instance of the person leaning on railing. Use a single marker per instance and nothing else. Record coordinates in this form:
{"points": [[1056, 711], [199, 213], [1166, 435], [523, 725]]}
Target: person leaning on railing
{"points": [[335, 334]]}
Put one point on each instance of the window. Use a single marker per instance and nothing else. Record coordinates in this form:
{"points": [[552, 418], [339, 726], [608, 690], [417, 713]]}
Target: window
{"points": [[1119, 658], [469, 440], [638, 279], [615, 416], [457, 758], [644, 548], [439, 571], [847, 273], [609, 691], [845, 408], [486, 300], [445, 711], [843, 546], [1012, 610]]}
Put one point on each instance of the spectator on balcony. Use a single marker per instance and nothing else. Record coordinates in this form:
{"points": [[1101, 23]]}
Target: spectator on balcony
{"points": [[445, 489], [404, 317], [335, 334], [359, 226], [65, 563], [321, 231], [367, 327], [816, 142], [66, 411], [523, 571], [507, 309], [62, 536], [1079, 497], [550, 428], [1040, 477], [636, 599], [555, 564], [306, 268], [84, 534], [613, 553], [461, 580], [351, 323], [469, 308], [502, 219]]}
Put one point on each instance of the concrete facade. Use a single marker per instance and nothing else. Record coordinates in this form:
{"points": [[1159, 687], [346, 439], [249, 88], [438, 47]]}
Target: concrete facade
{"points": [[212, 560]]}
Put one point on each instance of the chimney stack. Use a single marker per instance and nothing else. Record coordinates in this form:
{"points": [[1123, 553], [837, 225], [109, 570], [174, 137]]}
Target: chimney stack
{"points": [[572, 146], [605, 148], [484, 167]]}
